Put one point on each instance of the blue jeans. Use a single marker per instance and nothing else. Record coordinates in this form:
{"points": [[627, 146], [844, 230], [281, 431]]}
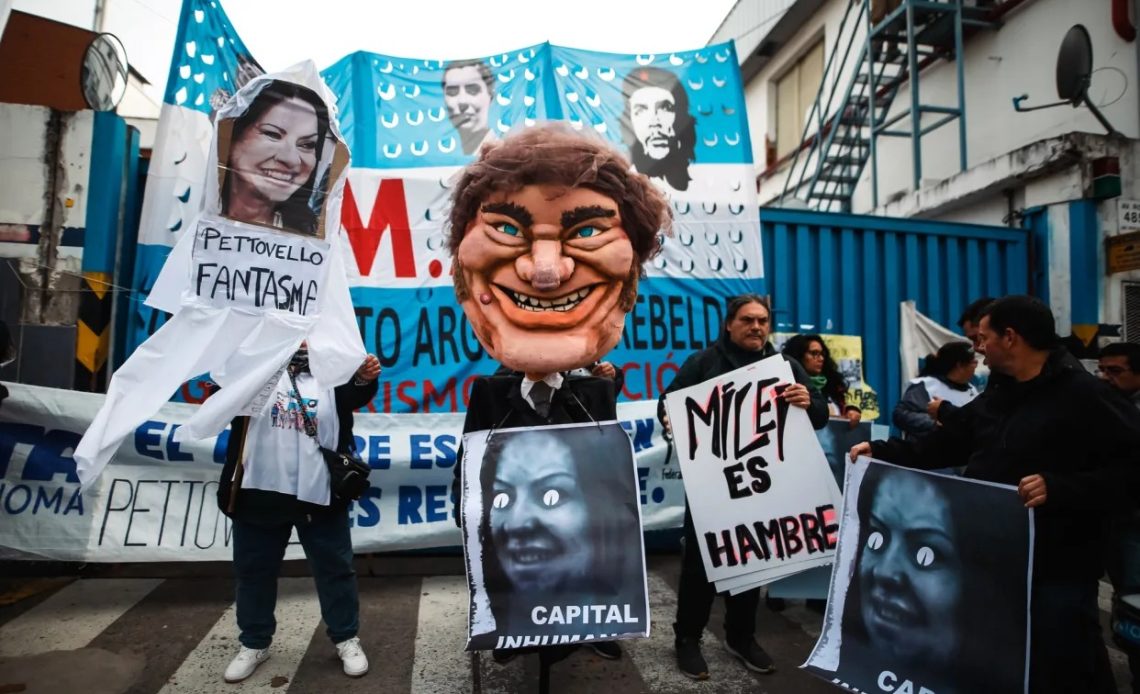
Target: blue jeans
{"points": [[258, 551]]}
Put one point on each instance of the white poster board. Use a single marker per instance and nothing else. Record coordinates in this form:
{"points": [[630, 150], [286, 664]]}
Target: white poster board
{"points": [[763, 499]]}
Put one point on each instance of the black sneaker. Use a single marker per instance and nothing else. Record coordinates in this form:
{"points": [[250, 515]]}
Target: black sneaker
{"points": [[610, 650], [689, 659], [751, 655]]}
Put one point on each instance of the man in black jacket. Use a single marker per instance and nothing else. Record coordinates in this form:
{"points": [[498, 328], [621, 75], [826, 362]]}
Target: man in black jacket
{"points": [[744, 341], [1069, 444]]}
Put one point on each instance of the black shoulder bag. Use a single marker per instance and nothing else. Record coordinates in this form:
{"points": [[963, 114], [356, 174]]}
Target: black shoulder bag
{"points": [[348, 474]]}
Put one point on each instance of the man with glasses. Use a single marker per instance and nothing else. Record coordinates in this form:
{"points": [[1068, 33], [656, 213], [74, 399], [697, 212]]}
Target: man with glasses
{"points": [[743, 341], [1119, 365]]}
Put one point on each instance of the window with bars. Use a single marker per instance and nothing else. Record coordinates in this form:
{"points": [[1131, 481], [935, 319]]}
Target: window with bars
{"points": [[1131, 316]]}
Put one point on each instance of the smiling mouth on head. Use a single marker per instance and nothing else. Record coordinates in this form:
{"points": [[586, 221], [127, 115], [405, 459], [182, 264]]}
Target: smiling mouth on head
{"points": [[561, 304], [531, 554]]}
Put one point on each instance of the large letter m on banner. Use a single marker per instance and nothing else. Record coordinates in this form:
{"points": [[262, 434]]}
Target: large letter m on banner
{"points": [[389, 212]]}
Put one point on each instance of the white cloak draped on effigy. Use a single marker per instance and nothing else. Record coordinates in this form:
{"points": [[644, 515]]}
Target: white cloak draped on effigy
{"points": [[243, 295]]}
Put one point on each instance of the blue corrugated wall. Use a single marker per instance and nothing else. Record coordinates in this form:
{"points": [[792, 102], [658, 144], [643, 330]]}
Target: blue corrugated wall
{"points": [[847, 274]]}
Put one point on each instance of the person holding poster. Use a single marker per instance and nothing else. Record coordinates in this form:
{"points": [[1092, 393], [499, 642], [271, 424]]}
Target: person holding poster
{"points": [[276, 479], [937, 594], [549, 231], [743, 341], [1069, 444]]}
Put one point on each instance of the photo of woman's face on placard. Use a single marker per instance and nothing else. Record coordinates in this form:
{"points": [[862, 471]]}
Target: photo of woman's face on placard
{"points": [[277, 160]]}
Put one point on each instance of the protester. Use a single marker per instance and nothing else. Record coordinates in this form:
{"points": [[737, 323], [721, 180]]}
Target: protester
{"points": [[549, 231], [275, 479], [812, 353], [1119, 365], [945, 378], [271, 168], [969, 319], [1069, 444], [743, 341]]}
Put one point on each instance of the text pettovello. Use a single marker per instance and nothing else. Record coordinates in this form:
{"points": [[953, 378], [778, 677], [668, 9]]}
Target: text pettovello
{"points": [[257, 269]]}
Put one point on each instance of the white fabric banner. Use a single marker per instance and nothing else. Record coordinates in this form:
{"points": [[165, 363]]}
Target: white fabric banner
{"points": [[156, 499], [762, 496], [921, 336]]}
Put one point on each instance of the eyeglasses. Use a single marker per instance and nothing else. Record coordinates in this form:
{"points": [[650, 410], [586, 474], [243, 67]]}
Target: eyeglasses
{"points": [[815, 353], [1111, 370]]}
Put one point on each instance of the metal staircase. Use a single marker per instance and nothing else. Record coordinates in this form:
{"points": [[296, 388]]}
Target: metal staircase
{"points": [[841, 135]]}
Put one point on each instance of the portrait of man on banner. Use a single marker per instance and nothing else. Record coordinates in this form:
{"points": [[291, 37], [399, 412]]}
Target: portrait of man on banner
{"points": [[553, 536], [657, 127], [468, 89], [277, 158], [931, 585]]}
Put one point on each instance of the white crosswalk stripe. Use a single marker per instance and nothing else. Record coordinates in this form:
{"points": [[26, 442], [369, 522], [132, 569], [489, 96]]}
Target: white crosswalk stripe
{"points": [[72, 617], [441, 664], [82, 614], [655, 656], [298, 614]]}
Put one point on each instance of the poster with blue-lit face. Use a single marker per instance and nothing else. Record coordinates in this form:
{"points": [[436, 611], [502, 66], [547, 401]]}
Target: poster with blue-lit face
{"points": [[552, 537], [930, 591]]}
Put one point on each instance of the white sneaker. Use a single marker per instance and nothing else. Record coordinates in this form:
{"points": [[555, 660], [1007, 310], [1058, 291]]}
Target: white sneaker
{"points": [[355, 662], [245, 662]]}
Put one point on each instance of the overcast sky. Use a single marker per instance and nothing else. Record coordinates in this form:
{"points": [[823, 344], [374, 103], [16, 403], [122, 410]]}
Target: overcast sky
{"points": [[282, 32]]}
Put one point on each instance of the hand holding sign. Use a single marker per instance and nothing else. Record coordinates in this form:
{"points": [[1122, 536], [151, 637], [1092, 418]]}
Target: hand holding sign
{"points": [[1032, 490], [369, 370], [860, 450], [797, 395]]}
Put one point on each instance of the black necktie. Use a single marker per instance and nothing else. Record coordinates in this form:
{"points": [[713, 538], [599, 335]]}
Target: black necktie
{"points": [[540, 394]]}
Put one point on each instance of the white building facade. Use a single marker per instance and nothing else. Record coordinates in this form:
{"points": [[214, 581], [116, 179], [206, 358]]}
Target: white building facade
{"points": [[1055, 172]]}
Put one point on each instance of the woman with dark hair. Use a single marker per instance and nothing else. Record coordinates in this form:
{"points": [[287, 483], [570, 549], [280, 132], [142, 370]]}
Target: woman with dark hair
{"points": [[945, 376], [812, 352], [272, 167], [921, 606], [555, 521]]}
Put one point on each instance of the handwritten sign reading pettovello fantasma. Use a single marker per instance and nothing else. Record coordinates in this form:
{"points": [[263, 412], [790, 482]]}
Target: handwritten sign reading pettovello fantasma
{"points": [[241, 266]]}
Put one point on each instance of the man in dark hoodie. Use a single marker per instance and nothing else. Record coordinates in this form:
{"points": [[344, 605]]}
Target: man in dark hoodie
{"points": [[744, 341], [1069, 444]]}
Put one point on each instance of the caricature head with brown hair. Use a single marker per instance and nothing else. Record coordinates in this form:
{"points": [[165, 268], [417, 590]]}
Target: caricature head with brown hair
{"points": [[549, 232]]}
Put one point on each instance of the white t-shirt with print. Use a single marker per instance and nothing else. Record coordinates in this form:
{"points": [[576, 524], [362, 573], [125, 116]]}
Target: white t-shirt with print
{"points": [[279, 456]]}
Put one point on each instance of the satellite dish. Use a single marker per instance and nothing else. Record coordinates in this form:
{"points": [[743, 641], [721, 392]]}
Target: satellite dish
{"points": [[1074, 65], [103, 76], [1074, 73]]}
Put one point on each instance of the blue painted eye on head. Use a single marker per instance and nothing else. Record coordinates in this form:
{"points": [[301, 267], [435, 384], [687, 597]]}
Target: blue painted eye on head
{"points": [[507, 228], [586, 232]]}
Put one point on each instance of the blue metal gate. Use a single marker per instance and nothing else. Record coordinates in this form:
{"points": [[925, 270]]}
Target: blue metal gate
{"points": [[847, 274]]}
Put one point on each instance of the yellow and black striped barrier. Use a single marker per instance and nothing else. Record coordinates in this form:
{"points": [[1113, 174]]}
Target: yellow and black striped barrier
{"points": [[93, 332]]}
